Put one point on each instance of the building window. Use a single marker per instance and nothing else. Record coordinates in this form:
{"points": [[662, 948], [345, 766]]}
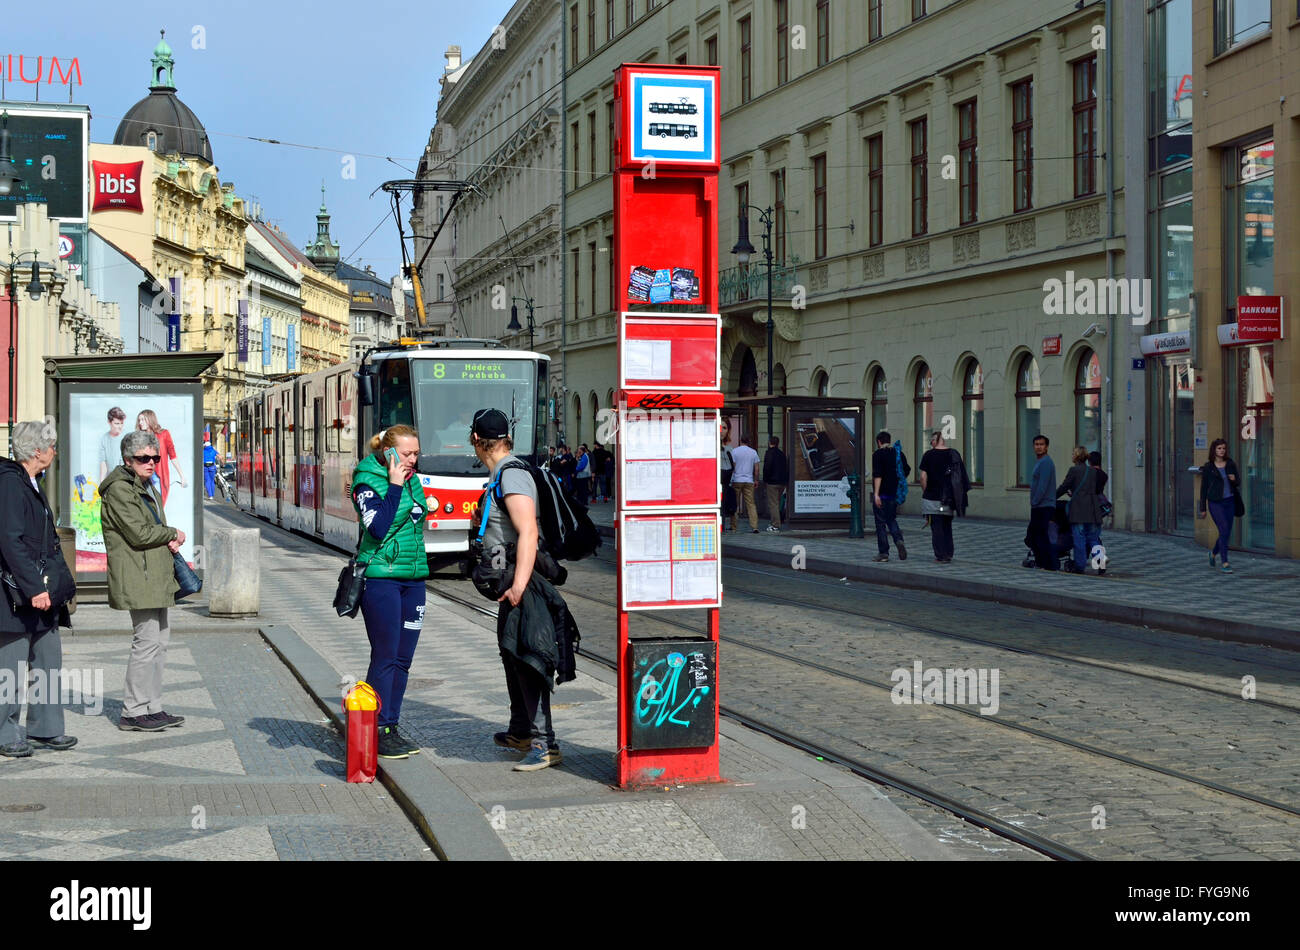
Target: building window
{"points": [[591, 142], [782, 41], [778, 213], [591, 27], [823, 32], [711, 51], [922, 413], [972, 395], [613, 283], [746, 59], [920, 174], [573, 32], [1252, 223], [1236, 21], [918, 9], [819, 207], [742, 210], [681, 60], [631, 12], [875, 190], [613, 143], [1022, 142], [591, 249], [967, 162], [573, 129], [874, 24], [577, 277], [609, 19], [879, 401], [1087, 402], [441, 287], [152, 141], [1085, 127], [1029, 411]]}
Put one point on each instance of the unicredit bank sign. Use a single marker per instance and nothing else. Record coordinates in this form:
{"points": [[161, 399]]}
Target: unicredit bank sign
{"points": [[117, 186]]}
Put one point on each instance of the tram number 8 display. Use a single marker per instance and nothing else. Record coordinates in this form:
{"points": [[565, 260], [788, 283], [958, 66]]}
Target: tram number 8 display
{"points": [[473, 371]]}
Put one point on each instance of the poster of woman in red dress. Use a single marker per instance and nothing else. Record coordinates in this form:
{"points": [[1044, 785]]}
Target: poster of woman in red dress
{"points": [[147, 420]]}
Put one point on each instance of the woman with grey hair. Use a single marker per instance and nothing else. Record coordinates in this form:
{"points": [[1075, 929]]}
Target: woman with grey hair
{"points": [[141, 576], [37, 586]]}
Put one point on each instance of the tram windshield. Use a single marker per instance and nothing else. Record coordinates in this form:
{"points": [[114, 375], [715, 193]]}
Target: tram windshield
{"points": [[446, 394]]}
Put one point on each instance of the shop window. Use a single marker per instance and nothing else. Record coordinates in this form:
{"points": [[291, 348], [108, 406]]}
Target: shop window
{"points": [[972, 390], [922, 414], [879, 401], [1087, 402], [1029, 411]]}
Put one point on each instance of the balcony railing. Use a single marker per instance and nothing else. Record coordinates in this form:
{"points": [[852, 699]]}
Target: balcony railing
{"points": [[740, 284]]}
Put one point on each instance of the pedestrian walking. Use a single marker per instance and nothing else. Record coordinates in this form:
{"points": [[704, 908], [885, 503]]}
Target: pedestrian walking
{"points": [[210, 460], [526, 634], [1094, 460], [37, 586], [776, 475], [886, 462], [390, 505], [726, 468], [745, 462], [944, 490], [141, 575], [1221, 493], [582, 475], [1042, 505], [1084, 510]]}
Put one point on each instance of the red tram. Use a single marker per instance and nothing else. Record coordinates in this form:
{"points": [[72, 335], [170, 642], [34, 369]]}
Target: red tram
{"points": [[299, 441]]}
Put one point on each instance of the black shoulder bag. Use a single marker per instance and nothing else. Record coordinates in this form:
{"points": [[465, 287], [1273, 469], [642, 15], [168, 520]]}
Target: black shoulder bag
{"points": [[352, 579]]}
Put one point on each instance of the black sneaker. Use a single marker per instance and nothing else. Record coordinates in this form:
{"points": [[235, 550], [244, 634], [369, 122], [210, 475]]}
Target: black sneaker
{"points": [[410, 747], [390, 746], [902, 551], [508, 741], [57, 743], [16, 750], [140, 724], [166, 719], [881, 557]]}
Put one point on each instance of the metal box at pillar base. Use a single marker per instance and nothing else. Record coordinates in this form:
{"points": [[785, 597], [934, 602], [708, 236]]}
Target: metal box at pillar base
{"points": [[674, 691]]}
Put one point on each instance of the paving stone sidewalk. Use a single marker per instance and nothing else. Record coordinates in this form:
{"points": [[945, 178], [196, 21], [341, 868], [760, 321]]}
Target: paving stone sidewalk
{"points": [[1158, 580], [778, 803], [254, 773]]}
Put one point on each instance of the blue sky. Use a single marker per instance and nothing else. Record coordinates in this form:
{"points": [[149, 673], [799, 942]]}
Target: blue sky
{"points": [[348, 78]]}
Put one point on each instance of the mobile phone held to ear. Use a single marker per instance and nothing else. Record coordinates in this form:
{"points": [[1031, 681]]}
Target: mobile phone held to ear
{"points": [[391, 455]]}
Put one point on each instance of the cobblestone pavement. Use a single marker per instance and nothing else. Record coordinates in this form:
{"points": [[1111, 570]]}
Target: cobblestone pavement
{"points": [[1144, 571], [253, 774], [1171, 701], [777, 803]]}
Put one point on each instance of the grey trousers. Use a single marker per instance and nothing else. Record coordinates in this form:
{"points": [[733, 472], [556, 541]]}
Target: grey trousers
{"points": [[144, 670], [38, 651]]}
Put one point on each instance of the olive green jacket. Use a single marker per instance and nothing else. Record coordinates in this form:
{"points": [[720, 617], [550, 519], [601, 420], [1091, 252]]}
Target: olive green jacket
{"points": [[141, 570], [401, 555]]}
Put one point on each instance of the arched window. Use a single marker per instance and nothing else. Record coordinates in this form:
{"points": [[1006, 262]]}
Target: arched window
{"points": [[575, 424], [972, 395], [1029, 410], [1087, 402], [595, 415], [879, 401], [151, 140], [821, 384], [922, 413]]}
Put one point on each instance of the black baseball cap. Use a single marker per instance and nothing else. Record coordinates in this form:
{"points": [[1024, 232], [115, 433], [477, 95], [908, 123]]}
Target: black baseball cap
{"points": [[490, 424]]}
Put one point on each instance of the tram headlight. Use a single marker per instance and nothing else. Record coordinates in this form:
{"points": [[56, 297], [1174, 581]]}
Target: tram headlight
{"points": [[433, 503], [449, 507]]}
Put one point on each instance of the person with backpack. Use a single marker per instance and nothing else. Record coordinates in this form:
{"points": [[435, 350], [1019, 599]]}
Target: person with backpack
{"points": [[889, 471], [1084, 511], [776, 475], [944, 489], [526, 636]]}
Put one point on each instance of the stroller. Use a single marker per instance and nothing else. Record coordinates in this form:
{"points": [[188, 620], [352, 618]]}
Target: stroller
{"points": [[1058, 533]]}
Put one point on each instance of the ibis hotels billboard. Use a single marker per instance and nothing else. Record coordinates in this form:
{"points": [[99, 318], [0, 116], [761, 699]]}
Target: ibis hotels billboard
{"points": [[48, 145]]}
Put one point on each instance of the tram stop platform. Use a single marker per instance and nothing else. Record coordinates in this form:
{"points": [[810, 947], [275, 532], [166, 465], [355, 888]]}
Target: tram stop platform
{"points": [[1154, 580], [263, 742]]}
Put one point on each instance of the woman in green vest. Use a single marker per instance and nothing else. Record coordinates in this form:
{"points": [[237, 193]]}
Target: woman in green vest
{"points": [[390, 504]]}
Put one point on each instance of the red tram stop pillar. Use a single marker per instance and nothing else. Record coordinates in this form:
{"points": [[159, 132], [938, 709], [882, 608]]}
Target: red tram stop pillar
{"points": [[669, 402]]}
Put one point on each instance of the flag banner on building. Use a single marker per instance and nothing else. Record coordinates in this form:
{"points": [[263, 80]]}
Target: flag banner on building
{"points": [[291, 354], [266, 341], [241, 331], [174, 318]]}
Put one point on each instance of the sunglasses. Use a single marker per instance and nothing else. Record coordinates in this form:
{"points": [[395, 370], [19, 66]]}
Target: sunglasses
{"points": [[146, 459]]}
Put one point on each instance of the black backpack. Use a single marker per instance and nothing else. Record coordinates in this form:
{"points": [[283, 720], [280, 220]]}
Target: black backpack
{"points": [[568, 533]]}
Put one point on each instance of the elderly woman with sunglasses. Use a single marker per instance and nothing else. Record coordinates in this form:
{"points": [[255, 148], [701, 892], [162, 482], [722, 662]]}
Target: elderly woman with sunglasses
{"points": [[141, 576]]}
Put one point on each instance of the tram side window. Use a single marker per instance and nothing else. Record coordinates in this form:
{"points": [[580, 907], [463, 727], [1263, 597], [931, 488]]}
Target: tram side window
{"points": [[332, 413], [345, 395], [395, 393], [307, 425]]}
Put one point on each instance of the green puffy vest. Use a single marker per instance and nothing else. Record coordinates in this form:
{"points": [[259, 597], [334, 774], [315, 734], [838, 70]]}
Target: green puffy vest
{"points": [[401, 555]]}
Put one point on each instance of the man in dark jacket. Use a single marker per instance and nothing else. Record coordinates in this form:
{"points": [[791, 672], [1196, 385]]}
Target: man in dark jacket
{"points": [[776, 475], [37, 586], [885, 463]]}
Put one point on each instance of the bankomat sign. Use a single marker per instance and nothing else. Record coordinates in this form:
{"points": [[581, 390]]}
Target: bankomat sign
{"points": [[117, 186]]}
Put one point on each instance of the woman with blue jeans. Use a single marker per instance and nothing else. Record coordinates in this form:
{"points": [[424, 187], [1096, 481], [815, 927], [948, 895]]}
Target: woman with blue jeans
{"points": [[1084, 511], [1221, 493], [390, 505]]}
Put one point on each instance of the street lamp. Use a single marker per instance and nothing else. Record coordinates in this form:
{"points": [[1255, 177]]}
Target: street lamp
{"points": [[743, 251], [8, 174], [513, 326], [34, 290]]}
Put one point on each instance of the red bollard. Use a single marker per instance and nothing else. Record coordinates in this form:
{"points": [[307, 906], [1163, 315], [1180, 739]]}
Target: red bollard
{"points": [[362, 706]]}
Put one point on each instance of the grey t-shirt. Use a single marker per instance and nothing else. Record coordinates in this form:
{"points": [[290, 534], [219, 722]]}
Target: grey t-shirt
{"points": [[500, 529]]}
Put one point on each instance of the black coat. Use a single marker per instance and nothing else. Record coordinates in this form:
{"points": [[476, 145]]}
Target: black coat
{"points": [[1082, 482], [776, 471], [1212, 487], [540, 632], [25, 520]]}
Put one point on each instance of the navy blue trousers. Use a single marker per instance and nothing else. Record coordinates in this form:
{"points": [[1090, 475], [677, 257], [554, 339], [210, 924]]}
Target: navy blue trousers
{"points": [[394, 613]]}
